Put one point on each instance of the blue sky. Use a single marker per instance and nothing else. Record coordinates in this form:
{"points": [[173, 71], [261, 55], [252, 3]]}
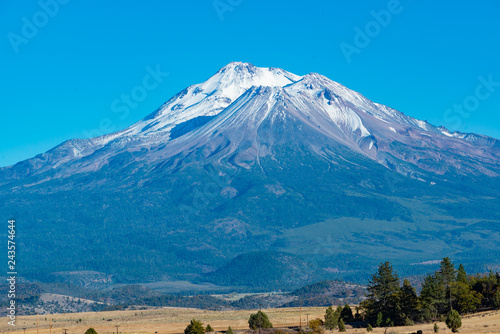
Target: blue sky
{"points": [[63, 66]]}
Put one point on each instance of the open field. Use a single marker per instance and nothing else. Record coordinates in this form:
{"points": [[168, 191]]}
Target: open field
{"points": [[174, 320]]}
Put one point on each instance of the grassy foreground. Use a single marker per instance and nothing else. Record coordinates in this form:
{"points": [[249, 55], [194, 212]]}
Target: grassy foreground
{"points": [[174, 320]]}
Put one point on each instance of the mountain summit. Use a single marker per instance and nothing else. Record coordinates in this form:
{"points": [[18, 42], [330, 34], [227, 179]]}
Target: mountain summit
{"points": [[327, 108], [259, 159]]}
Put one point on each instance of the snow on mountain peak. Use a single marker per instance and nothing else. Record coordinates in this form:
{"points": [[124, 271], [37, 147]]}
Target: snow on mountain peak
{"points": [[210, 97]]}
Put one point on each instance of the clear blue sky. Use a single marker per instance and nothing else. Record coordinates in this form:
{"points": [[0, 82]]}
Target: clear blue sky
{"points": [[60, 81]]}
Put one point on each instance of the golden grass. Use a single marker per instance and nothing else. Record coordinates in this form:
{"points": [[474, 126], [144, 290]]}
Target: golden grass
{"points": [[174, 320]]}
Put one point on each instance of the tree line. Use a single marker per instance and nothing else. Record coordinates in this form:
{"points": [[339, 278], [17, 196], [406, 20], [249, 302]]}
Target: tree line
{"points": [[447, 289]]}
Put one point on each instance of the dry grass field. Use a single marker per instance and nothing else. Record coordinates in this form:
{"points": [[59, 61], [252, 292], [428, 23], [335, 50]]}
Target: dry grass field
{"points": [[174, 320]]}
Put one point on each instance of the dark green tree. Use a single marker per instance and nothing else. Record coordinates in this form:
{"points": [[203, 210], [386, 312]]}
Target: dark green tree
{"points": [[331, 318], [346, 314], [229, 330], [342, 326], [91, 331], [369, 328], [496, 299], [462, 275], [448, 276], [259, 320], [453, 321], [407, 305], [486, 286], [382, 289], [209, 329], [436, 328], [447, 271], [433, 296], [195, 327]]}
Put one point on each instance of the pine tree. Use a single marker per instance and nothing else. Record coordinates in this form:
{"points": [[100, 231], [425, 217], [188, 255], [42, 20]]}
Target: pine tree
{"points": [[342, 326], [382, 289], [346, 314], [209, 329], [462, 275], [369, 328], [447, 273], [229, 330], [331, 318], [433, 295], [407, 304]]}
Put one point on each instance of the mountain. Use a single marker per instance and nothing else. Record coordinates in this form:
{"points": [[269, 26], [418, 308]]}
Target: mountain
{"points": [[258, 161]]}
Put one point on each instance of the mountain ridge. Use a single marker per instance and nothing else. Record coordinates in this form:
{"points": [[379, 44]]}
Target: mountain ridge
{"points": [[211, 98], [230, 167]]}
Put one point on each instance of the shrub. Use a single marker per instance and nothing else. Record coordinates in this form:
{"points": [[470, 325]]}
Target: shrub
{"points": [[229, 330], [316, 325], [195, 327], [369, 328], [209, 329], [341, 326], [259, 320], [436, 328], [453, 321], [91, 331], [380, 320], [408, 322]]}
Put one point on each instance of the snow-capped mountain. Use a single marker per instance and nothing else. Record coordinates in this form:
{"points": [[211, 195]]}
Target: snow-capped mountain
{"points": [[259, 159], [241, 98]]}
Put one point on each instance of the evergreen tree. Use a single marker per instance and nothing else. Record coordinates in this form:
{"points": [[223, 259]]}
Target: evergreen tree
{"points": [[447, 271], [195, 327], [346, 314], [369, 328], [342, 326], [382, 289], [462, 275], [466, 299], [448, 276], [436, 328], [229, 330], [487, 287], [407, 304], [453, 321], [209, 329], [496, 299], [91, 331], [331, 318], [259, 320], [433, 296]]}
